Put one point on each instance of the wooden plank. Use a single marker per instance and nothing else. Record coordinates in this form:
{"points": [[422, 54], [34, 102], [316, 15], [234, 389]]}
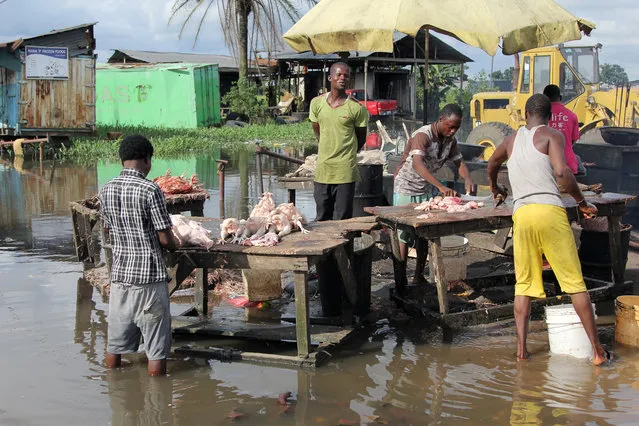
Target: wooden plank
{"points": [[347, 274], [616, 257], [202, 291], [179, 271], [399, 266], [501, 238], [238, 260], [81, 250], [437, 262], [301, 314], [296, 183]]}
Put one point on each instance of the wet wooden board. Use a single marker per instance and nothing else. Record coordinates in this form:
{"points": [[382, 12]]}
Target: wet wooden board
{"points": [[322, 239], [609, 204], [184, 198], [296, 183], [286, 332], [597, 289]]}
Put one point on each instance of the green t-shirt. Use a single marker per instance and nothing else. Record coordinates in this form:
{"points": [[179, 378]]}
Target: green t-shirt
{"points": [[337, 153]]}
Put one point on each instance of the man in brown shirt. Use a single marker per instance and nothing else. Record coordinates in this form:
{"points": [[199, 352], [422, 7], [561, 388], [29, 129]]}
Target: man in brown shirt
{"points": [[430, 147]]}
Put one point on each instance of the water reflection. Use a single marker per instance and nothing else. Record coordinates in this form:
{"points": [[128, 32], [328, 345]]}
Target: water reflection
{"points": [[35, 197], [54, 326]]}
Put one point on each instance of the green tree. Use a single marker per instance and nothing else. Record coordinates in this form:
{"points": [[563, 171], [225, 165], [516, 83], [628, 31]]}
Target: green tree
{"points": [[477, 84], [235, 17], [506, 74], [441, 78], [243, 98], [613, 74]]}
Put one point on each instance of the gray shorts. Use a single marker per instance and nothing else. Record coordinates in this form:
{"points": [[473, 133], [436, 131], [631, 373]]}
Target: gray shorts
{"points": [[139, 311]]}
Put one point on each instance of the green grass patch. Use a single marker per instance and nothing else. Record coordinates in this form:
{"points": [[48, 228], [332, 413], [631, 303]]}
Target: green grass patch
{"points": [[169, 143]]}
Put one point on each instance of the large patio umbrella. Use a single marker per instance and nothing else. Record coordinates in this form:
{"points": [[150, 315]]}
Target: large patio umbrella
{"points": [[368, 25]]}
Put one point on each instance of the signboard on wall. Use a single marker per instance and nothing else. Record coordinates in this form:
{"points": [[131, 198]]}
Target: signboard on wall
{"points": [[47, 63]]}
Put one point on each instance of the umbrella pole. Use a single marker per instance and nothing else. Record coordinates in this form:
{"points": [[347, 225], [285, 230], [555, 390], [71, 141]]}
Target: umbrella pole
{"points": [[323, 77], [365, 80], [426, 54]]}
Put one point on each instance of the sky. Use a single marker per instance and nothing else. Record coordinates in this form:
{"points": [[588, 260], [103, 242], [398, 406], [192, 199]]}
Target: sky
{"points": [[144, 25]]}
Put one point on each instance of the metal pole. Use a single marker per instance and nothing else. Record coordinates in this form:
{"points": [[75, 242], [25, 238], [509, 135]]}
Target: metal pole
{"points": [[426, 54], [461, 84], [258, 164], [365, 80], [220, 174], [414, 70], [266, 151], [323, 77], [492, 63]]}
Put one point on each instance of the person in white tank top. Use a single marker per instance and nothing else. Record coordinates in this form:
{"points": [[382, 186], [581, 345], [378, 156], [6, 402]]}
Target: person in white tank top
{"points": [[536, 165]]}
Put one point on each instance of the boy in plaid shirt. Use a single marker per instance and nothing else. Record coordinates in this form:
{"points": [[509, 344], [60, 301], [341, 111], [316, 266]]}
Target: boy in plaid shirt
{"points": [[134, 213]]}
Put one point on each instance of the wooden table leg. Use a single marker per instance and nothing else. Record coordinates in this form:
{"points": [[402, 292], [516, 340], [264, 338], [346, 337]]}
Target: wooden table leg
{"points": [[303, 397], [437, 263], [291, 196], [399, 266], [616, 257], [302, 323], [202, 291]]}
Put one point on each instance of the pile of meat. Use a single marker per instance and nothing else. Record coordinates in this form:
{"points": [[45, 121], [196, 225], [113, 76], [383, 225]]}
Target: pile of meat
{"points": [[307, 169], [177, 184], [266, 224], [448, 204], [190, 233]]}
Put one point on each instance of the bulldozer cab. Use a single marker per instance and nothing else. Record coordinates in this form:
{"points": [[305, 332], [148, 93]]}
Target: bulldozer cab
{"points": [[575, 70]]}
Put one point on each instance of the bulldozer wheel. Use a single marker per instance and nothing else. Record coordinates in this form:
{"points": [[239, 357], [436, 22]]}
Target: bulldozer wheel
{"points": [[490, 135]]}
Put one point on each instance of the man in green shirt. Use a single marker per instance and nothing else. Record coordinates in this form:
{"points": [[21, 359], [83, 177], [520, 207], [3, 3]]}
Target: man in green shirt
{"points": [[339, 123]]}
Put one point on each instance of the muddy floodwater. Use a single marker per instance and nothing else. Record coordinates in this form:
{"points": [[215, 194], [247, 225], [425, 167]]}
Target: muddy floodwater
{"points": [[53, 338]]}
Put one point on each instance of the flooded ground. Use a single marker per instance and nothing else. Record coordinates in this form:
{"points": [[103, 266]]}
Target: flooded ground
{"points": [[54, 337]]}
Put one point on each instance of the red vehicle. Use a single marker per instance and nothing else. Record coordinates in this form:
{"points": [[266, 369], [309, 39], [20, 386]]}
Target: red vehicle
{"points": [[374, 106]]}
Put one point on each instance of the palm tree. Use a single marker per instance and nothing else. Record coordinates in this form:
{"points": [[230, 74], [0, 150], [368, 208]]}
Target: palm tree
{"points": [[235, 16]]}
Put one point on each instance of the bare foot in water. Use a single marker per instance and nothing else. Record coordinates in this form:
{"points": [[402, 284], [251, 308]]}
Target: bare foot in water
{"points": [[524, 357], [602, 357]]}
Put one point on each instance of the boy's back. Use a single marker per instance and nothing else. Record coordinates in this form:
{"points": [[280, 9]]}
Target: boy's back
{"points": [[134, 210]]}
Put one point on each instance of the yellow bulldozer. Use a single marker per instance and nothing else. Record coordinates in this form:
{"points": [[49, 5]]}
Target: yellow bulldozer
{"points": [[613, 115]]}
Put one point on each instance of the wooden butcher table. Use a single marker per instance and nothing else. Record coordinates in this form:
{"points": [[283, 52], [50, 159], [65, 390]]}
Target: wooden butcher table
{"points": [[441, 224], [296, 252]]}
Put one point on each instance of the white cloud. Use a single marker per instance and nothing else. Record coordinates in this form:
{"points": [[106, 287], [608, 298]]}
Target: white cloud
{"points": [[143, 25]]}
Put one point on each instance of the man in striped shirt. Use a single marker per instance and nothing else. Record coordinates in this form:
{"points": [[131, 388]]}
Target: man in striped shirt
{"points": [[134, 213]]}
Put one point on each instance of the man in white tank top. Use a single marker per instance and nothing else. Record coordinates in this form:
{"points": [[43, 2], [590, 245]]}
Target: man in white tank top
{"points": [[536, 164]]}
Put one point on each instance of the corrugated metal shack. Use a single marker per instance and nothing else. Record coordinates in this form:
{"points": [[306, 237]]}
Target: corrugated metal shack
{"points": [[227, 65], [383, 75], [47, 84], [165, 95]]}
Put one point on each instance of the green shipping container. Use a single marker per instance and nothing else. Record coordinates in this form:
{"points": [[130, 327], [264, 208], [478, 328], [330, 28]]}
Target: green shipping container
{"points": [[162, 95]]}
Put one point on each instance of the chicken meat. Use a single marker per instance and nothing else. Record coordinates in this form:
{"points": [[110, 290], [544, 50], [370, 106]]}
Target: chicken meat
{"points": [[448, 204], [295, 218], [190, 233], [264, 207]]}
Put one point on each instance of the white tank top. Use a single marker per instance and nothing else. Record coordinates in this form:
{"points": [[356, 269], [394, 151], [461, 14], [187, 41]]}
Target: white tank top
{"points": [[530, 173]]}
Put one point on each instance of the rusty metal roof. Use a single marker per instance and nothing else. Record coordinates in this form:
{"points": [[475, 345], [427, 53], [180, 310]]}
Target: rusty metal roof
{"points": [[224, 62], [75, 47], [406, 50]]}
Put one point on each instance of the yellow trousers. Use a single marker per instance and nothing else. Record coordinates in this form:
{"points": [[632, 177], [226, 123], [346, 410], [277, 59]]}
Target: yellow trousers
{"points": [[541, 229]]}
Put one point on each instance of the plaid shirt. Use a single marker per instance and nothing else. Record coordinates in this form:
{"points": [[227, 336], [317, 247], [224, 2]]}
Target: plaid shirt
{"points": [[134, 210]]}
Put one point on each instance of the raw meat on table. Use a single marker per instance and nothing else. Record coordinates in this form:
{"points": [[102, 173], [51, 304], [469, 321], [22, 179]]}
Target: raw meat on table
{"points": [[190, 233], [177, 184], [448, 204]]}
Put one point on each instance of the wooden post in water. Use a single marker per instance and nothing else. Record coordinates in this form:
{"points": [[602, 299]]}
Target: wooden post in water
{"points": [[258, 163], [220, 173]]}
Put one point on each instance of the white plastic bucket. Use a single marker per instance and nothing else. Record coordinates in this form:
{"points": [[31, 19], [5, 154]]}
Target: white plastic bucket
{"points": [[566, 334], [454, 251]]}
